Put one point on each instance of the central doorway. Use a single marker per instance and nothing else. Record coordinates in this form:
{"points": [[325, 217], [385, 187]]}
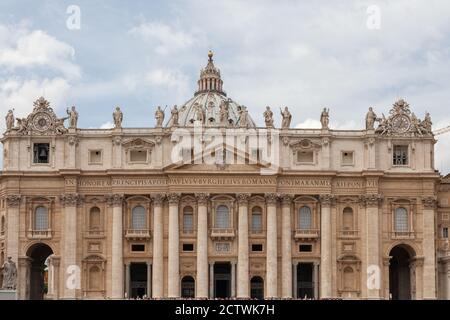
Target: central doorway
{"points": [[222, 280], [138, 280], [305, 282], [38, 253], [399, 273]]}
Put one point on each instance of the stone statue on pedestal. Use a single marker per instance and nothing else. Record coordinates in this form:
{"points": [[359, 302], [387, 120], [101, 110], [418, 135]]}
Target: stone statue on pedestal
{"points": [[9, 120], [325, 118], [371, 117], [287, 117], [118, 117], [268, 117], [159, 116], [73, 117], [9, 275]]}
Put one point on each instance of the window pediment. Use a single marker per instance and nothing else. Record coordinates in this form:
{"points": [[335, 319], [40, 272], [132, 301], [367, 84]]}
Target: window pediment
{"points": [[138, 143]]}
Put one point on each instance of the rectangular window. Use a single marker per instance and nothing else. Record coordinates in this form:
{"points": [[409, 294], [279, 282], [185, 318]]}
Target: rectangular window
{"points": [[256, 222], [138, 247], [305, 248], [41, 153], [138, 156], [347, 158], [188, 247], [95, 156], [400, 156], [257, 247], [445, 232], [188, 222], [305, 156]]}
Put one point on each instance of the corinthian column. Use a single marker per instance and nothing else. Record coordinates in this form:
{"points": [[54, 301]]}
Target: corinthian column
{"points": [[202, 246], [12, 222], [243, 261], [373, 272], [174, 250], [325, 246], [69, 202], [158, 247], [117, 268], [286, 246], [428, 245], [271, 244]]}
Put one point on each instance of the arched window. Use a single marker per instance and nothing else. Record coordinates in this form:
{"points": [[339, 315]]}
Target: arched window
{"points": [[304, 218], [349, 279], [401, 219], [94, 278], [257, 288], [138, 218], [94, 219], [222, 217], [187, 287], [188, 219], [256, 219], [41, 218], [347, 219]]}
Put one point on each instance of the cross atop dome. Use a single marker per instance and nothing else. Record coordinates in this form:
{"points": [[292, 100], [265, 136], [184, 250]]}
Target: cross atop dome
{"points": [[210, 78]]}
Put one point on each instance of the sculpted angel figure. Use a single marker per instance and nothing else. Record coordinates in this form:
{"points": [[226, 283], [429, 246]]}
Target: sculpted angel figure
{"points": [[9, 120], [287, 117], [371, 117], [73, 117], [325, 118], [22, 124], [118, 117], [159, 116], [268, 117]]}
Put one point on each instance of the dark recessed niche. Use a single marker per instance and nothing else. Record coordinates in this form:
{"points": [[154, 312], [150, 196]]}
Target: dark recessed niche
{"points": [[305, 248], [257, 247], [138, 247], [188, 247]]}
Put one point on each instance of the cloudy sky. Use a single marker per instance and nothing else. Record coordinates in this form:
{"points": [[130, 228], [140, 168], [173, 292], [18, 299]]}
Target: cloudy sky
{"points": [[280, 53]]}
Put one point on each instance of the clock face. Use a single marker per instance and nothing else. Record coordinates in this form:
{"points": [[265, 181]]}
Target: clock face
{"points": [[401, 123], [41, 121]]}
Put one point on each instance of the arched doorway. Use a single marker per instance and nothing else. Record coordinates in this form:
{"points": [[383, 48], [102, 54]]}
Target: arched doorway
{"points": [[257, 288], [399, 272], [38, 253], [188, 287]]}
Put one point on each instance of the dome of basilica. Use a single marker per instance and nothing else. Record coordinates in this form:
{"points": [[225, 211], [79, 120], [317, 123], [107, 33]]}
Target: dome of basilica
{"points": [[210, 104]]}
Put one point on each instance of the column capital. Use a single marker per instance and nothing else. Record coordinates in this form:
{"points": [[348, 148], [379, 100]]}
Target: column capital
{"points": [[158, 198], [115, 200], [13, 200], [327, 200], [271, 198], [55, 260], [370, 200], [174, 198], [429, 202], [202, 198], [243, 198], [286, 199], [71, 199]]}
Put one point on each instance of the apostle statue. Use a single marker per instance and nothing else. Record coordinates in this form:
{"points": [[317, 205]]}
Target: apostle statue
{"points": [[426, 123], [9, 275], [73, 117], [159, 116], [174, 113], [371, 117], [224, 113], [287, 117], [243, 116], [118, 117], [325, 118], [9, 120], [268, 117]]}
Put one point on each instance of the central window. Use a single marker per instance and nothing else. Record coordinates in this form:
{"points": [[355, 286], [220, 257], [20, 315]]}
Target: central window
{"points": [[41, 153], [304, 218], [401, 220], [188, 219], [256, 219], [400, 156], [41, 219], [222, 217], [138, 218]]}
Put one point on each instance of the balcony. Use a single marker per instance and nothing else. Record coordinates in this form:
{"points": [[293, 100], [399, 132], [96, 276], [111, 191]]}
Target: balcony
{"points": [[137, 234], [348, 234], [39, 234], [306, 234], [188, 232], [222, 233], [402, 235]]}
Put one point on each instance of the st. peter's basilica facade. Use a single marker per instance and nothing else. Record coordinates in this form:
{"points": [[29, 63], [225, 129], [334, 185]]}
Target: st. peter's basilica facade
{"points": [[208, 205]]}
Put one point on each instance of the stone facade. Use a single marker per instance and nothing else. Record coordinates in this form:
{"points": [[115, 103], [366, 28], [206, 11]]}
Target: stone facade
{"points": [[320, 213]]}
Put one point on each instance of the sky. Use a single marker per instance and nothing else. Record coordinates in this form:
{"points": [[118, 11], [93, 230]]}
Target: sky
{"points": [[346, 55]]}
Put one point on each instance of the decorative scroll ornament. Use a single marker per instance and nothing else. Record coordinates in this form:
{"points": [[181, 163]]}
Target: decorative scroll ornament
{"points": [[243, 198], [271, 198], [70, 200], [42, 120], [13, 200], [115, 200], [429, 202], [202, 198], [327, 199], [286, 199], [402, 122], [174, 198], [371, 200], [158, 198]]}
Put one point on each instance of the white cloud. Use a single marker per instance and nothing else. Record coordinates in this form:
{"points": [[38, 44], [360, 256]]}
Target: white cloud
{"points": [[165, 38], [334, 125], [37, 49], [107, 125]]}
